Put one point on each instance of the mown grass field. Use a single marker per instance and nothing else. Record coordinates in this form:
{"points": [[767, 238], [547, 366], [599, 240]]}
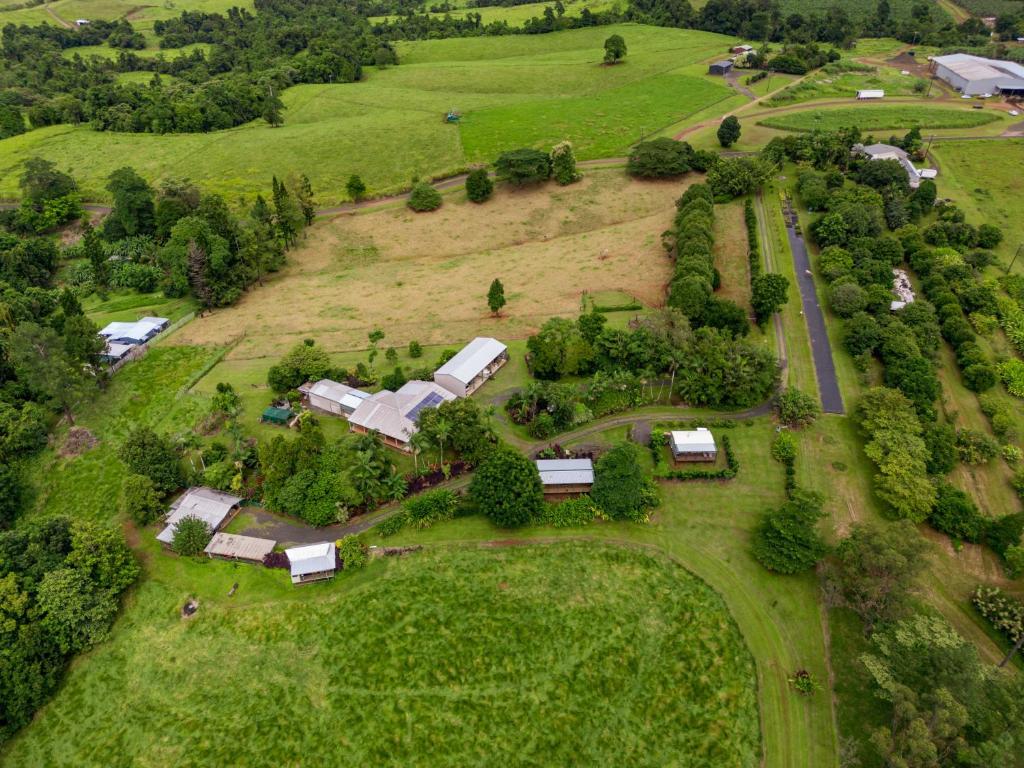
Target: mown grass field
{"points": [[882, 117], [585, 654], [517, 15], [514, 91]]}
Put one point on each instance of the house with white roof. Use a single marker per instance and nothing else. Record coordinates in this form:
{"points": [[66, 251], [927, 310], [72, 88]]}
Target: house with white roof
{"points": [[693, 445], [313, 562], [976, 75], [472, 366], [215, 508], [139, 332], [566, 477], [333, 397], [889, 152], [393, 415]]}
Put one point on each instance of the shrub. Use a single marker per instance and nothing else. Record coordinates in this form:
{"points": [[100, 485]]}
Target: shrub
{"points": [[1015, 561], [975, 447], [415, 350], [979, 377], [1004, 532], [1005, 614], [142, 502], [430, 507], [424, 198], [563, 164], [352, 553], [795, 408], [786, 540], [571, 513], [784, 447], [155, 456], [389, 526], [956, 515], [479, 186], [191, 535], [523, 166], [1012, 373], [659, 158], [847, 299], [507, 488], [621, 490]]}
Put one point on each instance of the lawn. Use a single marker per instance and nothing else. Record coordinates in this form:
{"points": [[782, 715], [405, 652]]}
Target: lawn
{"points": [[585, 654], [514, 90], [882, 117], [406, 274]]}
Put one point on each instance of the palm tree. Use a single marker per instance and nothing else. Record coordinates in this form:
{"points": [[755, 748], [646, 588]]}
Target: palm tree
{"points": [[442, 431], [366, 475], [418, 441]]}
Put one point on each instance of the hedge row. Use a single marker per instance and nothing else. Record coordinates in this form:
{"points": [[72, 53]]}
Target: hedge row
{"points": [[693, 231], [732, 467], [753, 243]]}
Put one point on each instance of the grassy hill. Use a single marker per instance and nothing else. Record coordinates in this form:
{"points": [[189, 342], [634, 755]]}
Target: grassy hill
{"points": [[513, 91]]}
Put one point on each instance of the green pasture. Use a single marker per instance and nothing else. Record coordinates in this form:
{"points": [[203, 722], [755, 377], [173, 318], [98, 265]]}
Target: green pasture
{"points": [[857, 9], [517, 15], [141, 16], [541, 655], [882, 117], [106, 52], [516, 90], [842, 80]]}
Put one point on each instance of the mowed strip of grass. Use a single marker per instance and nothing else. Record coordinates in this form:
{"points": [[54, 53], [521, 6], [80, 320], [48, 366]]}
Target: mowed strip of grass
{"points": [[540, 655], [874, 118], [390, 127]]}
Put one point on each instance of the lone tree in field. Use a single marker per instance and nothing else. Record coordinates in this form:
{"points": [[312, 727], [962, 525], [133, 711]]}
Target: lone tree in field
{"points": [[424, 198], [355, 188], [496, 297], [563, 164], [507, 488], [272, 109], [479, 186], [614, 49], [523, 166], [191, 535], [729, 131]]}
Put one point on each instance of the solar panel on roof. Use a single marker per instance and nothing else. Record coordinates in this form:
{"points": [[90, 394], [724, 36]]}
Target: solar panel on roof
{"points": [[432, 400]]}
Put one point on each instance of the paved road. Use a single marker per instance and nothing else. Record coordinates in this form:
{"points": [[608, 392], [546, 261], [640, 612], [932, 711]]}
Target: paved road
{"points": [[821, 349]]}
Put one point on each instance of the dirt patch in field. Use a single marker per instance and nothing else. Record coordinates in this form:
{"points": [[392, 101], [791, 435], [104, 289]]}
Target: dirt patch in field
{"points": [[78, 441], [425, 276], [731, 254]]}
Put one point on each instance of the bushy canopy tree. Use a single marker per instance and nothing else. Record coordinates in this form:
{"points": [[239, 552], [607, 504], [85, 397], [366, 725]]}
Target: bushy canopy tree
{"points": [[76, 613], [424, 198], [769, 294], [496, 297], [355, 188], [303, 362], [796, 408], [154, 456], [39, 356], [563, 164], [874, 571], [191, 535], [786, 540], [100, 552], [729, 131], [614, 49], [133, 212], [733, 177], [523, 166], [558, 349], [720, 371], [956, 515], [621, 489], [507, 489], [460, 426], [479, 186], [142, 502], [659, 158]]}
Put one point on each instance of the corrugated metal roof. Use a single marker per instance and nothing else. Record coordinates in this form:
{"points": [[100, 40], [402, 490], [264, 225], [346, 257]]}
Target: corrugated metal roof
{"points": [[210, 506], [312, 558], [566, 471], [472, 359], [244, 547], [335, 391], [140, 330], [979, 68], [388, 412], [698, 440]]}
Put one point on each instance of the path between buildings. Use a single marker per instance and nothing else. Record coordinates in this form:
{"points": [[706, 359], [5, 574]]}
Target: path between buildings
{"points": [[821, 348]]}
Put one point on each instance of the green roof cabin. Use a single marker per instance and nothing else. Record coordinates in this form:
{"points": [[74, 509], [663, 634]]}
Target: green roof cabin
{"points": [[274, 415]]}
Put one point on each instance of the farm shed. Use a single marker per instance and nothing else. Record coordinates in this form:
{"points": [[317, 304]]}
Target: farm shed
{"points": [[976, 75], [870, 94], [115, 352], [720, 67], [139, 332], [274, 415], [215, 508], [693, 445], [472, 366], [742, 49], [313, 562], [393, 415], [566, 477], [889, 152], [333, 397], [231, 546]]}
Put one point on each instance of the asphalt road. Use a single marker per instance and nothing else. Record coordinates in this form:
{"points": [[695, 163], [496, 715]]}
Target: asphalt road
{"points": [[821, 349]]}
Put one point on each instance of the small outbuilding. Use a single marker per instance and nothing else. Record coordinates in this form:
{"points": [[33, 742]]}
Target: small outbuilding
{"points": [[693, 445], [566, 477], [870, 94], [333, 397], [723, 67], [474, 364], [274, 415], [114, 352], [232, 546], [313, 562], [742, 48], [139, 332], [215, 508]]}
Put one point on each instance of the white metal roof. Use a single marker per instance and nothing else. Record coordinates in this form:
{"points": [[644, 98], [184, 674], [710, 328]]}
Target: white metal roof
{"points": [[117, 351], [566, 471], [870, 93], [979, 68], [698, 440], [235, 545], [210, 506], [472, 359], [335, 391], [312, 558], [139, 330], [394, 413]]}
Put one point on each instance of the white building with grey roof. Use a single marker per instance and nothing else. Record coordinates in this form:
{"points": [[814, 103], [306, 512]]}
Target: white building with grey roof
{"points": [[474, 364], [976, 75], [333, 397], [693, 445], [313, 562], [566, 477]]}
